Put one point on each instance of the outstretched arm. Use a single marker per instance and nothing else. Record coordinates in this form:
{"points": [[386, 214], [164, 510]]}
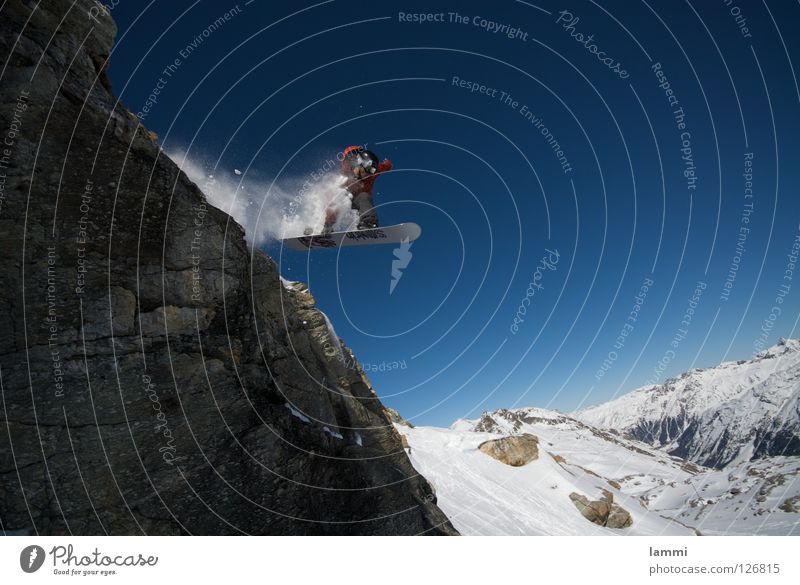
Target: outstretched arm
{"points": [[386, 165]]}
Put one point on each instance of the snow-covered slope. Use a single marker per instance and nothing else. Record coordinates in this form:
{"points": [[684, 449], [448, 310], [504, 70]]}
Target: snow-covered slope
{"points": [[481, 495], [732, 413], [663, 494], [752, 497]]}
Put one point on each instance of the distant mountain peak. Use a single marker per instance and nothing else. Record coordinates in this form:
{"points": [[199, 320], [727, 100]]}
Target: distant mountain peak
{"points": [[510, 421], [736, 411]]}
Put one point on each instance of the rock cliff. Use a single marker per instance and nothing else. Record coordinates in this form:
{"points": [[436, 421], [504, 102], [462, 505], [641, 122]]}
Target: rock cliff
{"points": [[158, 377]]}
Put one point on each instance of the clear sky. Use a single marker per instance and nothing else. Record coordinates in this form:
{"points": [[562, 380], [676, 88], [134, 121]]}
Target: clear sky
{"points": [[595, 184]]}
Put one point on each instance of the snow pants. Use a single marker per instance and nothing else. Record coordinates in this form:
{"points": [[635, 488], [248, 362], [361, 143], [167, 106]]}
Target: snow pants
{"points": [[364, 204]]}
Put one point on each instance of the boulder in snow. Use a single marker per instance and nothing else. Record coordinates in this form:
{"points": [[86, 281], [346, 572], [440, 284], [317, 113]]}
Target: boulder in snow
{"points": [[515, 451], [602, 512]]}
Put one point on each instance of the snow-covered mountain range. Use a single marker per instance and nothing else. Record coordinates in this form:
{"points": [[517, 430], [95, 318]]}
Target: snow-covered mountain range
{"points": [[734, 412], [710, 452]]}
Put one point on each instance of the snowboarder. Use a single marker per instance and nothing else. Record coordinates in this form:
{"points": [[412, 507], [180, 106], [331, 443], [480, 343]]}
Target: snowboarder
{"points": [[360, 168]]}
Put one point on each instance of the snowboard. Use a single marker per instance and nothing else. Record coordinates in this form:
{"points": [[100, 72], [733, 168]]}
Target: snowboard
{"points": [[393, 234]]}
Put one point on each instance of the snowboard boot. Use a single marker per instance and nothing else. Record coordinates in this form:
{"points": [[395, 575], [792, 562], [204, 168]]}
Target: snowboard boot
{"points": [[368, 224]]}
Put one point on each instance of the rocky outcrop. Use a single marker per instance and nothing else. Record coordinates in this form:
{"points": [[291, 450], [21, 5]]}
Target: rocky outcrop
{"points": [[602, 512], [791, 505], [618, 517], [157, 377], [395, 417], [516, 451]]}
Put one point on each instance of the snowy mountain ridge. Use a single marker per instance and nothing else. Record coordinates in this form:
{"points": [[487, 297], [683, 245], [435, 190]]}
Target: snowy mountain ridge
{"points": [[730, 413]]}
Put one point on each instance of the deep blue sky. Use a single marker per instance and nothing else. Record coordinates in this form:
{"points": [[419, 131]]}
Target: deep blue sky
{"points": [[487, 188]]}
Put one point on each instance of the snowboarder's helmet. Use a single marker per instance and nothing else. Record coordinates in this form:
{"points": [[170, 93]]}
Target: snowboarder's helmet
{"points": [[361, 157]]}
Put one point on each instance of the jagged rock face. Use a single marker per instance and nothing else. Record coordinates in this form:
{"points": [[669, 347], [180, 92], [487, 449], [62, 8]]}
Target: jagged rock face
{"points": [[395, 417], [157, 377], [746, 409], [516, 451]]}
